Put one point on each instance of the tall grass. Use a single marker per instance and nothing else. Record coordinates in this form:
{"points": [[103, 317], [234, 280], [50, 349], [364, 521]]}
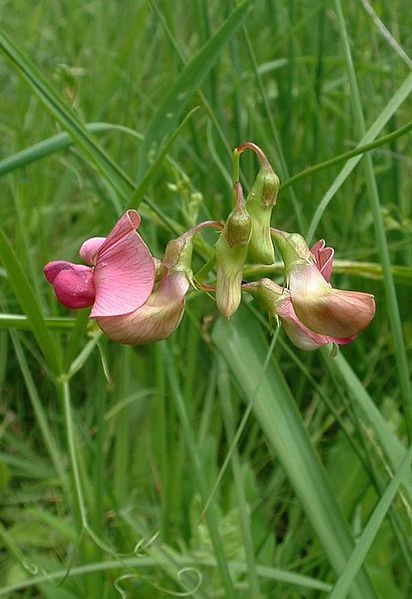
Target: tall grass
{"points": [[222, 462]]}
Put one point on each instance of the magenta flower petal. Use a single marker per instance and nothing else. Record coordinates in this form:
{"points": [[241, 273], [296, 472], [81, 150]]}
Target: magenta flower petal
{"points": [[52, 269], [90, 248], [124, 271], [73, 283], [324, 259]]}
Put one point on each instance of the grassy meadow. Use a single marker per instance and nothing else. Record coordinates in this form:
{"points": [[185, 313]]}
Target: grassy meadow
{"points": [[223, 461]]}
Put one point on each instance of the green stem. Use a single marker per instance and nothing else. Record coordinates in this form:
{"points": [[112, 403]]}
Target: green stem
{"points": [[360, 149]]}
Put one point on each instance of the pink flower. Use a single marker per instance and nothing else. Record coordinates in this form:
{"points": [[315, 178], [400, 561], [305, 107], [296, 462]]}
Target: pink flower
{"points": [[320, 307], [278, 303], [120, 278], [162, 312]]}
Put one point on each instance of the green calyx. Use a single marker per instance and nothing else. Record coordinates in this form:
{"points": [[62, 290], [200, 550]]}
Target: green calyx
{"points": [[293, 248], [178, 255], [267, 293]]}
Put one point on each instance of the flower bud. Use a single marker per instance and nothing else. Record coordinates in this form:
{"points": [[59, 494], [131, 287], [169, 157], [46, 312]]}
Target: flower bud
{"points": [[231, 253], [260, 202]]}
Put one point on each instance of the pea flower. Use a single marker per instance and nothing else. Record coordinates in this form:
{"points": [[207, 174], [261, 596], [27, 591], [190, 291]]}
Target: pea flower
{"points": [[320, 307], [278, 303], [120, 278], [161, 314]]}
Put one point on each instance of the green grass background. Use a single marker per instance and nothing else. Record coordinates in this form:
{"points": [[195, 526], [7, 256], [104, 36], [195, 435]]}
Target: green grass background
{"points": [[222, 462]]}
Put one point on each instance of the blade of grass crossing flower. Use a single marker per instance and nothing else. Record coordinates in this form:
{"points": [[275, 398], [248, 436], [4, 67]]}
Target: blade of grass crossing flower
{"points": [[189, 78], [28, 302], [274, 408], [392, 106], [390, 291], [114, 176], [345, 580]]}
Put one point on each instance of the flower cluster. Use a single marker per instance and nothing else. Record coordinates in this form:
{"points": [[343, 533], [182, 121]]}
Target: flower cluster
{"points": [[136, 299]]}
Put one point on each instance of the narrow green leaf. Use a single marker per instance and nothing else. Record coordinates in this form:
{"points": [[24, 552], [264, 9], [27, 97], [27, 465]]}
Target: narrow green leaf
{"points": [[141, 188], [401, 357], [111, 172], [56, 143], [392, 106], [360, 149], [244, 350], [190, 77], [21, 321], [392, 447], [28, 302], [342, 586]]}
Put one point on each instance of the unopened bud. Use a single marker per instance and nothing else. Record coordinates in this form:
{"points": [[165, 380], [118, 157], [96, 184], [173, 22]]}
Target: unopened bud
{"points": [[231, 254], [260, 202]]}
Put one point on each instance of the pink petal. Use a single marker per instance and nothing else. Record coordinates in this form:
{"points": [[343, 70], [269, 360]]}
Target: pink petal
{"points": [[324, 259], [156, 319], [90, 248], [52, 269], [297, 332], [73, 283], [124, 270]]}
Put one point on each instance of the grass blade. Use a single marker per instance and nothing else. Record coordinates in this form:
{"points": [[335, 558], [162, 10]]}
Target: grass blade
{"points": [[190, 77], [28, 302], [380, 232], [109, 170], [355, 561], [398, 98], [275, 409]]}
